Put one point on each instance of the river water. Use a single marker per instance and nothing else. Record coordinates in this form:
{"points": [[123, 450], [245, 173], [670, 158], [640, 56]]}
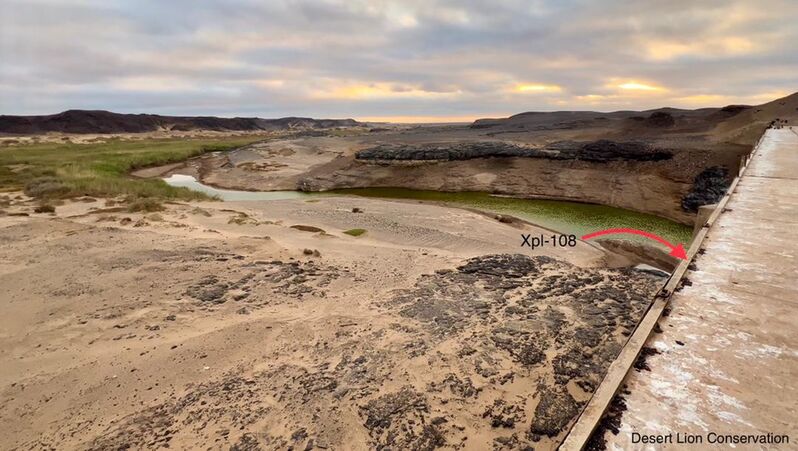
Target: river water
{"points": [[565, 217]]}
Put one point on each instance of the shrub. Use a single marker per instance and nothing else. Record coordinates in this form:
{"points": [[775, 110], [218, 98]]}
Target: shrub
{"points": [[145, 204], [47, 186], [355, 232], [44, 209]]}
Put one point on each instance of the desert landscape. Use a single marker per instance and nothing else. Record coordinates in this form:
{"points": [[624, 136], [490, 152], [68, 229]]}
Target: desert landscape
{"points": [[335, 321], [664, 162], [302, 225]]}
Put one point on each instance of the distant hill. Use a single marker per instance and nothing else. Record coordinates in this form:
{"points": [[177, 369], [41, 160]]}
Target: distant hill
{"points": [[103, 122], [747, 126], [738, 124]]}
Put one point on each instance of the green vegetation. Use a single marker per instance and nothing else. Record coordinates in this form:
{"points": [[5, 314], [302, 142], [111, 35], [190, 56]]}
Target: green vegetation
{"points": [[355, 232], [62, 170]]}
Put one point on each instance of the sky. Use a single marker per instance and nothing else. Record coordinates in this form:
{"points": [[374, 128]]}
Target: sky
{"points": [[407, 61]]}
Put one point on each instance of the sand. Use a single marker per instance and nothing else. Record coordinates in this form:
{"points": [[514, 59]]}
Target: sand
{"points": [[217, 325]]}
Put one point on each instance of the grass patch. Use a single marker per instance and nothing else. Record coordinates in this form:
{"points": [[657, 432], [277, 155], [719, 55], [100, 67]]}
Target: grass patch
{"points": [[64, 170], [355, 232], [46, 187]]}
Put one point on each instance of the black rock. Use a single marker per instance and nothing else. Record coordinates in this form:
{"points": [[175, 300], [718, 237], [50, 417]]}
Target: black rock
{"points": [[708, 188]]}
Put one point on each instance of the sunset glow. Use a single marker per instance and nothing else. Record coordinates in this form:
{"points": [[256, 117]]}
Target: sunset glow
{"points": [[635, 86], [538, 88], [408, 59]]}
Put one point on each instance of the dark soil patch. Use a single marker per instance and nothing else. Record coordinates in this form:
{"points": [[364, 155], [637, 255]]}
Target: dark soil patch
{"points": [[555, 410], [398, 420], [641, 362], [307, 228], [504, 414], [232, 400], [209, 289], [44, 209], [533, 314]]}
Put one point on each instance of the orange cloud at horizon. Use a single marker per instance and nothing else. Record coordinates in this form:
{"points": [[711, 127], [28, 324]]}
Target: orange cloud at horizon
{"points": [[709, 48], [639, 86], [537, 88], [377, 90]]}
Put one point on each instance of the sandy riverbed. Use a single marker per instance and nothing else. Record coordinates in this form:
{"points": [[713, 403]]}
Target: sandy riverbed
{"points": [[222, 324]]}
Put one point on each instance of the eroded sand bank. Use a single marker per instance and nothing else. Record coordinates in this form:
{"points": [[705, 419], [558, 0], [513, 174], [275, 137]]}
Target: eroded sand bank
{"points": [[214, 325]]}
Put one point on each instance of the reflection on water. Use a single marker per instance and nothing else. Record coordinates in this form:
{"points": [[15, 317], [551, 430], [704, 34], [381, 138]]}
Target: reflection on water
{"points": [[565, 217]]}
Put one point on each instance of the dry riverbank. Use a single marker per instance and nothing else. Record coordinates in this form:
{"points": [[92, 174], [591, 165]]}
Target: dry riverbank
{"points": [[266, 325], [612, 177]]}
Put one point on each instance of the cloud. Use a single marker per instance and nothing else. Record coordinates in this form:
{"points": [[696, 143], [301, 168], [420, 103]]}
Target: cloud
{"points": [[537, 88], [386, 58], [720, 47], [376, 91], [638, 86]]}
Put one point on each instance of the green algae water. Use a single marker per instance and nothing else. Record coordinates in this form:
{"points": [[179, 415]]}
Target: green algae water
{"points": [[564, 217]]}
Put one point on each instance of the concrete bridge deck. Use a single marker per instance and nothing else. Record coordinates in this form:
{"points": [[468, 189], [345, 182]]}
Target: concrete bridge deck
{"points": [[728, 350]]}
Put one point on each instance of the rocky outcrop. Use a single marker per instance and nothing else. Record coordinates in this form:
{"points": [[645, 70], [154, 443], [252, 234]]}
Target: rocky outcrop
{"points": [[596, 151], [708, 188]]}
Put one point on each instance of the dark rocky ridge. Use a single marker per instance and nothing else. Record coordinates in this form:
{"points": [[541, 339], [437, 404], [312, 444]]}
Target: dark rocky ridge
{"points": [[595, 151], [83, 121]]}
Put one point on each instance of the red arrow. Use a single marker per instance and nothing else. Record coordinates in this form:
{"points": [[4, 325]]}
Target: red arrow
{"points": [[676, 251]]}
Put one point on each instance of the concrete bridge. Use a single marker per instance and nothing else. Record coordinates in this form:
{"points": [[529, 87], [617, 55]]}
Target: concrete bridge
{"points": [[725, 327]]}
